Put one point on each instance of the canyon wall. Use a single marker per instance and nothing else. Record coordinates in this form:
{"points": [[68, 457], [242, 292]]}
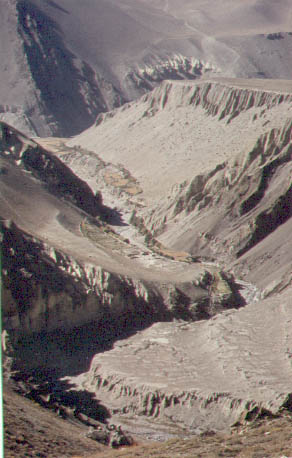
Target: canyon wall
{"points": [[226, 211]]}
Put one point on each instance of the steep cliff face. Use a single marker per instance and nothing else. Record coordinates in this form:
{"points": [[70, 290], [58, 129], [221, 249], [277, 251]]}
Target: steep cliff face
{"points": [[46, 88], [71, 91], [147, 76], [46, 290], [62, 316], [216, 180], [69, 82], [237, 187], [223, 98], [75, 270]]}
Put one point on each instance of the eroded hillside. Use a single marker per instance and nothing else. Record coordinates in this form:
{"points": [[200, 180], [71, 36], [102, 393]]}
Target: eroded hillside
{"points": [[174, 259]]}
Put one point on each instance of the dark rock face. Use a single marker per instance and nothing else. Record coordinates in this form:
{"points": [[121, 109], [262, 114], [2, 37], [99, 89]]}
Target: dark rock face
{"points": [[70, 95], [48, 168]]}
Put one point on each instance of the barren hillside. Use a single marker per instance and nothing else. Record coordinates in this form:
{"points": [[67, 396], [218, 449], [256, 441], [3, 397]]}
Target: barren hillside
{"points": [[64, 62], [146, 261]]}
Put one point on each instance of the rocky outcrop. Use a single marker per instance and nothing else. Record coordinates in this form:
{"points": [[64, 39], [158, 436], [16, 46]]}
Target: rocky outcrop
{"points": [[199, 127], [44, 290], [64, 85], [55, 82], [59, 312], [50, 296], [220, 99]]}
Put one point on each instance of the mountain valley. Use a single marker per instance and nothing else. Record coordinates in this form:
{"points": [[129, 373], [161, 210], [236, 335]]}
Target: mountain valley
{"points": [[145, 214]]}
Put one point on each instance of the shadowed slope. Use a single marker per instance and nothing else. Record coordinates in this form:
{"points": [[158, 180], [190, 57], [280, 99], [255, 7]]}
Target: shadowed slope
{"points": [[64, 62]]}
